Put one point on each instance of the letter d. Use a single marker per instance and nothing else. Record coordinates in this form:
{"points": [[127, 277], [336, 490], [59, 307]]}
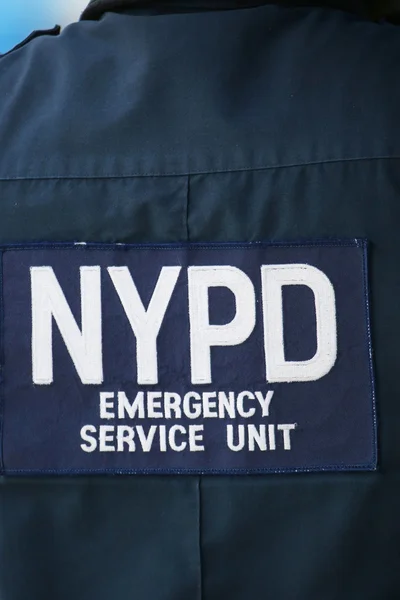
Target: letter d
{"points": [[273, 278]]}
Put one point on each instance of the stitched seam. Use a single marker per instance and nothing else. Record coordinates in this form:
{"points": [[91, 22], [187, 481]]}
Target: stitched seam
{"points": [[200, 541], [370, 353], [1, 364], [200, 171], [187, 209], [357, 242], [339, 468]]}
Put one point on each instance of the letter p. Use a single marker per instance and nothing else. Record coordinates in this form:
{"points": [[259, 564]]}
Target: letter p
{"points": [[203, 335]]}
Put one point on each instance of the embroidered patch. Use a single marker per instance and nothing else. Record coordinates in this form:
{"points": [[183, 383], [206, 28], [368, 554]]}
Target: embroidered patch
{"points": [[220, 358]]}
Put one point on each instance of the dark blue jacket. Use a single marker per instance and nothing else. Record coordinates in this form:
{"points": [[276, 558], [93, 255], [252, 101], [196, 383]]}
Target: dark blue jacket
{"points": [[266, 123]]}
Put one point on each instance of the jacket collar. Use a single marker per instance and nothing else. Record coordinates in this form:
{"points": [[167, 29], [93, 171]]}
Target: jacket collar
{"points": [[96, 8]]}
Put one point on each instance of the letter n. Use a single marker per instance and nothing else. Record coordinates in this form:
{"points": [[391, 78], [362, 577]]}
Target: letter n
{"points": [[83, 344]]}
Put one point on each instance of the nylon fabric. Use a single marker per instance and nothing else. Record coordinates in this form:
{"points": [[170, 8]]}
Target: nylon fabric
{"points": [[242, 125]]}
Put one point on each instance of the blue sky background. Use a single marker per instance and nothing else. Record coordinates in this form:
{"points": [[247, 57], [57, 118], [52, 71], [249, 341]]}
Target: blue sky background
{"points": [[19, 17]]}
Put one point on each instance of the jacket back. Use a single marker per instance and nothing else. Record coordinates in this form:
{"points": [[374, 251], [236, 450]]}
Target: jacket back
{"points": [[256, 124]]}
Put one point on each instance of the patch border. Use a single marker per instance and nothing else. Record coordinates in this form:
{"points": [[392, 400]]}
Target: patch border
{"points": [[360, 243]]}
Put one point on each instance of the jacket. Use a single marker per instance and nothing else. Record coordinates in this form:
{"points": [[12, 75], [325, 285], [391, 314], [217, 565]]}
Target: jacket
{"points": [[188, 125]]}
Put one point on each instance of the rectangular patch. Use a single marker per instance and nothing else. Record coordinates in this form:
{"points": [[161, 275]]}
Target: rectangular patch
{"points": [[186, 358]]}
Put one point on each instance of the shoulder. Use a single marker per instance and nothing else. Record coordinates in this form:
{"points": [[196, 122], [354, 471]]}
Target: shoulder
{"points": [[54, 31]]}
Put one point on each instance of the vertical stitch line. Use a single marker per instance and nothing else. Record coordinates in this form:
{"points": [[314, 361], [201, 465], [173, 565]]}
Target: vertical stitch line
{"points": [[370, 351], [199, 479], [187, 208], [200, 519], [1, 363]]}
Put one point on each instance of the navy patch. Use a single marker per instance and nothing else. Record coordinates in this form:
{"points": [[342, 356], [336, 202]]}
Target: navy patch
{"points": [[187, 358]]}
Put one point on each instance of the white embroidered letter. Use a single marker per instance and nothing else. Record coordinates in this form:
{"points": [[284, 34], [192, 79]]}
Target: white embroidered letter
{"points": [[278, 369], [203, 335], [145, 323], [84, 345]]}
